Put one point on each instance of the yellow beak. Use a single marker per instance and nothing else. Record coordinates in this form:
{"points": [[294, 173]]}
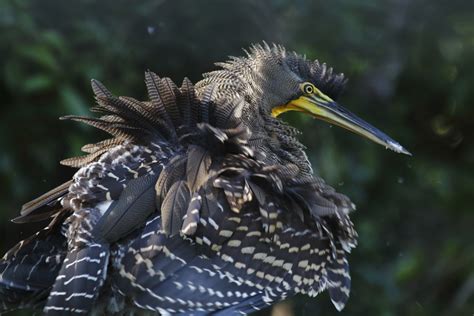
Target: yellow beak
{"points": [[328, 110]]}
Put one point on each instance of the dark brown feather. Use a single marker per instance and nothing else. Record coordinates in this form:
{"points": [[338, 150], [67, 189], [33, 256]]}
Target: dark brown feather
{"points": [[174, 171], [187, 100], [197, 167], [46, 198], [45, 206], [174, 207], [100, 90], [153, 84], [169, 91]]}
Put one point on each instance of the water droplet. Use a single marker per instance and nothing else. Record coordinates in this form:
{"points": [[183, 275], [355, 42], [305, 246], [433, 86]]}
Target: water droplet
{"points": [[150, 30]]}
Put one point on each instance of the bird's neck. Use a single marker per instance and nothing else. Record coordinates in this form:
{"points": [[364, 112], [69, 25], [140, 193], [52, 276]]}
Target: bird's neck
{"points": [[272, 138]]}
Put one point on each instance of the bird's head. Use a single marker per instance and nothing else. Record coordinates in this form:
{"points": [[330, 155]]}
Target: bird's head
{"points": [[279, 81]]}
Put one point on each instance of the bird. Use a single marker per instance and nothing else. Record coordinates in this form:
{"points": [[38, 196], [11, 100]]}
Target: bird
{"points": [[202, 201]]}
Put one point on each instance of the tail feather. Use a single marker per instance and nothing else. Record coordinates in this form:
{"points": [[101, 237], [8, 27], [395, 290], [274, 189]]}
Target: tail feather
{"points": [[45, 206], [28, 270], [78, 283], [339, 280]]}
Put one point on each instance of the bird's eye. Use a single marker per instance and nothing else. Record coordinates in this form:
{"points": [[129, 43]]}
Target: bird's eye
{"points": [[308, 88]]}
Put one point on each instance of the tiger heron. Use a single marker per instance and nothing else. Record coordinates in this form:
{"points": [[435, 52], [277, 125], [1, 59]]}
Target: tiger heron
{"points": [[202, 202]]}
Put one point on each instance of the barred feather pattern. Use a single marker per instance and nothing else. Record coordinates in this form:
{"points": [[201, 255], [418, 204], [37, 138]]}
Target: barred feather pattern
{"points": [[259, 257], [252, 78], [105, 179], [237, 220], [29, 269]]}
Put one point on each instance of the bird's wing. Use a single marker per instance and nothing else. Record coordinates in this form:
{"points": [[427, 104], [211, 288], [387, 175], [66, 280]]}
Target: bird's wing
{"points": [[241, 246], [28, 270], [232, 229], [44, 206]]}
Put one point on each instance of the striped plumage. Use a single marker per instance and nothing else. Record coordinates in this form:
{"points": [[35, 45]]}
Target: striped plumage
{"points": [[201, 202]]}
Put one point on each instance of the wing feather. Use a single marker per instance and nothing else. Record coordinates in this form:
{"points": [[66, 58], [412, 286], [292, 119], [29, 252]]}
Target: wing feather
{"points": [[174, 207], [197, 167]]}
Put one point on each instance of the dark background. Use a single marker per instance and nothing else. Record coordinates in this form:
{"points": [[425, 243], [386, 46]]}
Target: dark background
{"points": [[411, 70]]}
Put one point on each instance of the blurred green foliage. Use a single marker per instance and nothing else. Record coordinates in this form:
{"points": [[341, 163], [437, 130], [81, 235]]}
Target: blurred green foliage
{"points": [[411, 70]]}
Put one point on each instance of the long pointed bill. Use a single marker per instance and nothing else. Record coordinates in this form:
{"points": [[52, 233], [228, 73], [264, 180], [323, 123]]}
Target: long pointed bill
{"points": [[333, 113]]}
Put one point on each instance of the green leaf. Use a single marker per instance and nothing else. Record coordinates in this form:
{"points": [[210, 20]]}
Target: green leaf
{"points": [[37, 83], [72, 101], [40, 55]]}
